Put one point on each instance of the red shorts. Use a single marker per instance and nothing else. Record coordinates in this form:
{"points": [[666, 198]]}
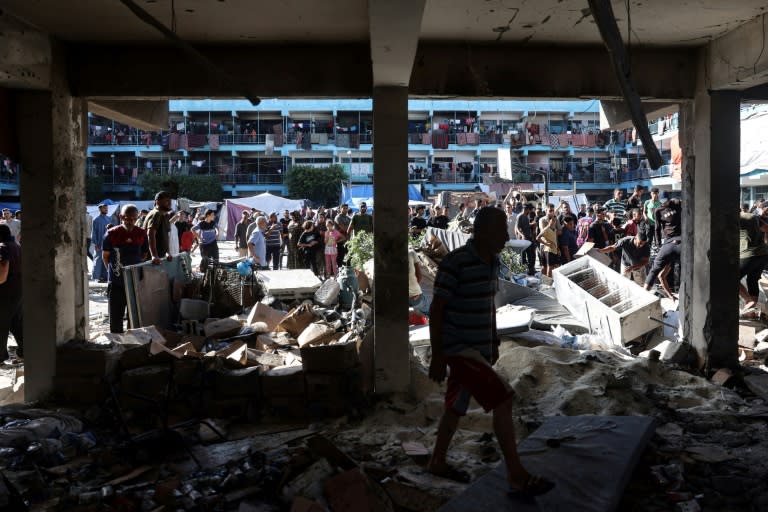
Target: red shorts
{"points": [[475, 378]]}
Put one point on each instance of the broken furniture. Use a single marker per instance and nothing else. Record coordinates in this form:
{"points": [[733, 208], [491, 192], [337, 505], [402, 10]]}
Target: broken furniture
{"points": [[149, 290], [590, 459], [606, 300], [227, 291]]}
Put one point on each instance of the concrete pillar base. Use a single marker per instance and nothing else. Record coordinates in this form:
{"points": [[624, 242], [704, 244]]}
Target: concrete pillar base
{"points": [[51, 130], [390, 189]]}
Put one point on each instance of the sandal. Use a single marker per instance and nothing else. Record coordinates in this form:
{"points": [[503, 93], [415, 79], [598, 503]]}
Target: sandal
{"points": [[535, 485], [452, 473]]}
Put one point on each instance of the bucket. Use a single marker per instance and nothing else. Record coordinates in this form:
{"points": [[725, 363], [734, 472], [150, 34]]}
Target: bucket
{"points": [[192, 309]]}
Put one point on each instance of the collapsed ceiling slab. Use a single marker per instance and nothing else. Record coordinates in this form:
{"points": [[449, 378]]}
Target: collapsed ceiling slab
{"points": [[144, 115], [614, 115]]}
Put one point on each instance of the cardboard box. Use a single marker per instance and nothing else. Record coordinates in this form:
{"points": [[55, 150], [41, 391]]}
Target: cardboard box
{"points": [[229, 383], [263, 313], [80, 390], [327, 386], [330, 358], [334, 394], [286, 406], [134, 356], [87, 359], [188, 372], [283, 381], [241, 407], [145, 387]]}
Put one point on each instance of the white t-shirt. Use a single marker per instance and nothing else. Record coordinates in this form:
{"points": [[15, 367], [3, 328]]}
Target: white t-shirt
{"points": [[413, 285], [14, 225]]}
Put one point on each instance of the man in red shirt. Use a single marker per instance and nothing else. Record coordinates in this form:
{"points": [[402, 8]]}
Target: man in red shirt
{"points": [[124, 245]]}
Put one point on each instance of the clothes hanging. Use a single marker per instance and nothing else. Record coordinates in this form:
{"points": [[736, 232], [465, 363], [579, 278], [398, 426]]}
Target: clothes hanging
{"points": [[440, 140], [173, 142]]}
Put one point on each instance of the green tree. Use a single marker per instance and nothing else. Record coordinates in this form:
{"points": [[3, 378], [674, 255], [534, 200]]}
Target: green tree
{"points": [[94, 189], [321, 185], [204, 187]]}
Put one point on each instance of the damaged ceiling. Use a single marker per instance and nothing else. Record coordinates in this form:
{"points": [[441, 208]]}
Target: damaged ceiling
{"points": [[653, 22]]}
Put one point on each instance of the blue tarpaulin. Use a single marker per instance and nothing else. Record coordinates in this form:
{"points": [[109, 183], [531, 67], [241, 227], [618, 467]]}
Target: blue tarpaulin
{"points": [[353, 195], [11, 206]]}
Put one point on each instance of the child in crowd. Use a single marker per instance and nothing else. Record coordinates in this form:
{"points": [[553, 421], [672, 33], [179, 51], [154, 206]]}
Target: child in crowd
{"points": [[332, 237]]}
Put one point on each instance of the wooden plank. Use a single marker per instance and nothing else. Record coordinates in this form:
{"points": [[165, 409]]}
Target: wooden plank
{"points": [[591, 459]]}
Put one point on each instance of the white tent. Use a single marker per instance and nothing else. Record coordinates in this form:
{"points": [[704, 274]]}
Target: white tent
{"points": [[754, 143], [266, 202]]}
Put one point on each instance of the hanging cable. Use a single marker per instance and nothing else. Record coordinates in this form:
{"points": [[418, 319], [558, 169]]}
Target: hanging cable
{"points": [[629, 33], [173, 16]]}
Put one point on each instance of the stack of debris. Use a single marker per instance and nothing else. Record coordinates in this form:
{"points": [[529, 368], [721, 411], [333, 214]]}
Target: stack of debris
{"points": [[301, 363]]}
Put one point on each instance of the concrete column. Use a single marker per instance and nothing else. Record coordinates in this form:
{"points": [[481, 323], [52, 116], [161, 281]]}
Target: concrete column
{"points": [[686, 124], [390, 186], [711, 241], [51, 129]]}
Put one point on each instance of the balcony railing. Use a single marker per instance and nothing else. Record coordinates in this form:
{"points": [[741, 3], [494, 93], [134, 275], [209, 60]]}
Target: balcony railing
{"points": [[6, 177], [259, 138], [251, 179], [147, 139]]}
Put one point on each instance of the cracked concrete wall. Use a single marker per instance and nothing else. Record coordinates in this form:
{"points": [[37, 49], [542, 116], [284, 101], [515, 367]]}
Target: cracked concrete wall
{"points": [[686, 126], [711, 202], [52, 134], [739, 59]]}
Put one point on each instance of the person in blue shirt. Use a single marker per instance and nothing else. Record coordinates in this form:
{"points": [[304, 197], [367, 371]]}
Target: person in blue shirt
{"points": [[567, 239], [207, 236], [257, 244], [98, 233]]}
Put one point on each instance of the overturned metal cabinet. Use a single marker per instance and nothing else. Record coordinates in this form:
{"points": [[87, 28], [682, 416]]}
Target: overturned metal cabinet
{"points": [[606, 300]]}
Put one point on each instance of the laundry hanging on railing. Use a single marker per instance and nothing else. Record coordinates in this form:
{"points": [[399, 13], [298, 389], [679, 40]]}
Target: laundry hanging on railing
{"points": [[197, 141], [439, 140]]}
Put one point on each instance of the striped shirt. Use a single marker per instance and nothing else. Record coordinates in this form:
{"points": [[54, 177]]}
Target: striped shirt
{"points": [[274, 238], [618, 208], [468, 284]]}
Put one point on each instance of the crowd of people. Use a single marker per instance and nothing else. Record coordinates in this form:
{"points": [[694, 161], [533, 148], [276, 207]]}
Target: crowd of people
{"points": [[306, 238], [11, 313], [641, 236], [624, 229]]}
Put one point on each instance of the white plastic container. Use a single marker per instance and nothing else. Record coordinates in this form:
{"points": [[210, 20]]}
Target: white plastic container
{"points": [[193, 309], [605, 300]]}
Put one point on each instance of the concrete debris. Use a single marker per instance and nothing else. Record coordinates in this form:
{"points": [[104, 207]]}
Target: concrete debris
{"points": [[722, 376], [758, 384], [674, 353], [140, 396]]}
